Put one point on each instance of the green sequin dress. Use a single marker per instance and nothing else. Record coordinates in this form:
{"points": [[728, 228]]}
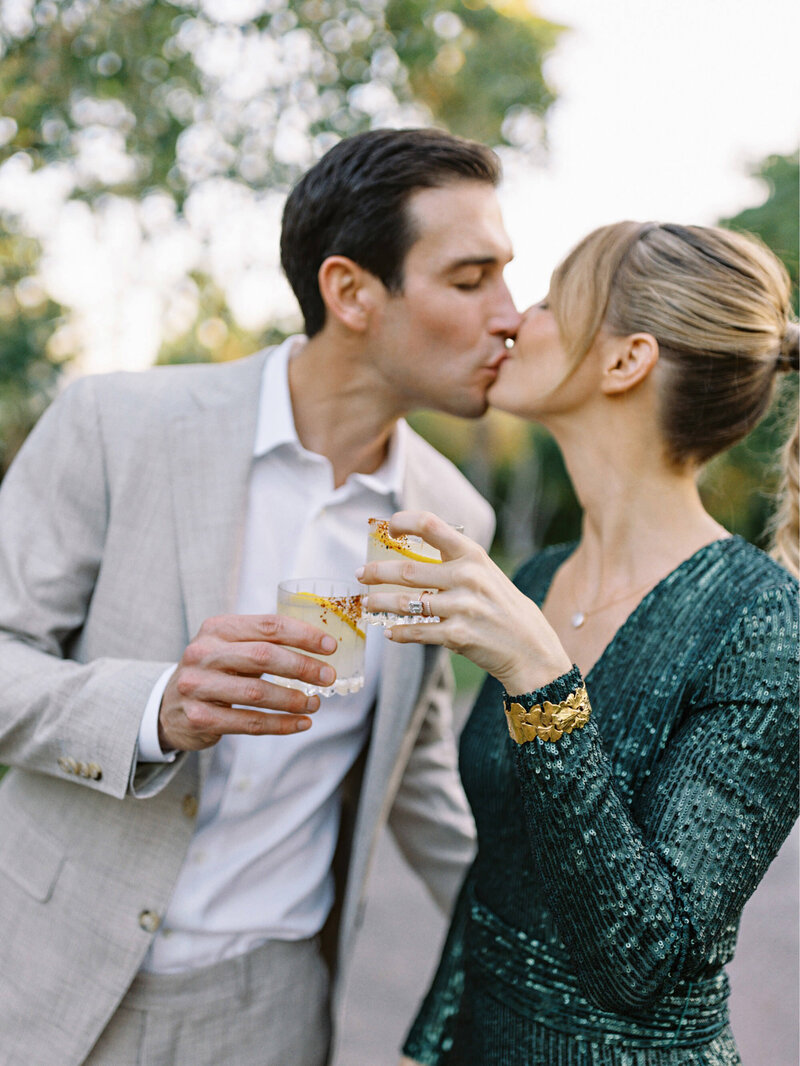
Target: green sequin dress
{"points": [[613, 865]]}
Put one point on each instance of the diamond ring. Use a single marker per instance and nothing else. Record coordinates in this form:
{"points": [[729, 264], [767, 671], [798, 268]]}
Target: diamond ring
{"points": [[416, 607]]}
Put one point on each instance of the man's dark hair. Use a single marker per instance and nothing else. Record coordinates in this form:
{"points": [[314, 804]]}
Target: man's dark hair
{"points": [[353, 203]]}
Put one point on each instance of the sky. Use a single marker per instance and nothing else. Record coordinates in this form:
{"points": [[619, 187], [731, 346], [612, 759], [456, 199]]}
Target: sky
{"points": [[664, 105]]}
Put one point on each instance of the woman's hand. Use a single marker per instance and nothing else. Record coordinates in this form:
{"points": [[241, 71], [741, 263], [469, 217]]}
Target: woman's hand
{"points": [[409, 1062], [482, 614]]}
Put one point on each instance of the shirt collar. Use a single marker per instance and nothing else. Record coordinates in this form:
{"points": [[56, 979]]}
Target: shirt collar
{"points": [[275, 425]]}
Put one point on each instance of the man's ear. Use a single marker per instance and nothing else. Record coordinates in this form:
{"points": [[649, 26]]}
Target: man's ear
{"points": [[627, 361], [348, 291]]}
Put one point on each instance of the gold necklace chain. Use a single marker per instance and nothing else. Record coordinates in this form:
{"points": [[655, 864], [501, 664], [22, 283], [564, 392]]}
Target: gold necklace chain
{"points": [[578, 617]]}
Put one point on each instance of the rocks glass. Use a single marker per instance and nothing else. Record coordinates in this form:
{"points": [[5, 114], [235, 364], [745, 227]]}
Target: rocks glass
{"points": [[382, 546], [334, 606]]}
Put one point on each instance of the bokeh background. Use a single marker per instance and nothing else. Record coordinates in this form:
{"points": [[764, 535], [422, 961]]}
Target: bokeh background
{"points": [[146, 148]]}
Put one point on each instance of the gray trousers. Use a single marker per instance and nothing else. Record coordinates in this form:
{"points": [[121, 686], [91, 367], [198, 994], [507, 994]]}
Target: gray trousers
{"points": [[267, 1008]]}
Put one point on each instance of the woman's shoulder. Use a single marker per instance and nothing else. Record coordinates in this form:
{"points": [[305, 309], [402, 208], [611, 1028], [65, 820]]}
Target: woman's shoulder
{"points": [[749, 613], [749, 573]]}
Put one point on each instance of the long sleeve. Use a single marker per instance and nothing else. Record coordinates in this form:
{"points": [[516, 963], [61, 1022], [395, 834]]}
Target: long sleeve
{"points": [[644, 894], [431, 1036], [56, 712]]}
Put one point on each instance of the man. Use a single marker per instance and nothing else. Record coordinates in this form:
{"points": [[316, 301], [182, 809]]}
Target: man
{"points": [[180, 843]]}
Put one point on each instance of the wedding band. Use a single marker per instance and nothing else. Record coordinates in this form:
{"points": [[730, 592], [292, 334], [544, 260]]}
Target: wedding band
{"points": [[426, 607], [416, 607]]}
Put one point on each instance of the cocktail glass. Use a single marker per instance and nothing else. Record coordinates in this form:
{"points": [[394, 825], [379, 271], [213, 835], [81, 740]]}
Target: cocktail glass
{"points": [[382, 546], [334, 606]]}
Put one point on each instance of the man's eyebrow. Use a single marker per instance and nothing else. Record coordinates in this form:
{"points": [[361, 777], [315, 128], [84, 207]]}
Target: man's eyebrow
{"points": [[483, 260]]}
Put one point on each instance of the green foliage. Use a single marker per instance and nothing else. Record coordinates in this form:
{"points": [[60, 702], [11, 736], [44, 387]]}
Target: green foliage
{"points": [[455, 68], [115, 66], [776, 221], [27, 320]]}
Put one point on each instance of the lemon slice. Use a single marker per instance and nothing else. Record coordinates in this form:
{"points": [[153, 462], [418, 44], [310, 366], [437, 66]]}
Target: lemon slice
{"points": [[344, 608], [381, 533]]}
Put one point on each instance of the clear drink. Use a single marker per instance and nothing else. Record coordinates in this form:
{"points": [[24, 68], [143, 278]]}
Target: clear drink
{"points": [[334, 606], [382, 546]]}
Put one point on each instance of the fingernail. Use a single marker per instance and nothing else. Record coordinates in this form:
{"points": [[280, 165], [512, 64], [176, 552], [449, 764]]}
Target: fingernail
{"points": [[360, 572], [327, 675], [311, 703], [302, 724], [388, 634], [329, 644]]}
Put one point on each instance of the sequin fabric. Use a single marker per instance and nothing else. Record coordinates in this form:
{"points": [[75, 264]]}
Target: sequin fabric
{"points": [[613, 865]]}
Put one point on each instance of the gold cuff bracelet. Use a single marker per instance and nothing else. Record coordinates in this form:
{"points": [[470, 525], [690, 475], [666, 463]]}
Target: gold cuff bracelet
{"points": [[548, 721]]}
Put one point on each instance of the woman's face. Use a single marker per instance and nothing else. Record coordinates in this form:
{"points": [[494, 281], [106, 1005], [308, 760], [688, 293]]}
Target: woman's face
{"points": [[531, 377]]}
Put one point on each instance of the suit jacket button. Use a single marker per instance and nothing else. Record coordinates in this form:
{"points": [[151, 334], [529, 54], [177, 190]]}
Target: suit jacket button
{"points": [[189, 805], [94, 771], [149, 921], [82, 769], [68, 764]]}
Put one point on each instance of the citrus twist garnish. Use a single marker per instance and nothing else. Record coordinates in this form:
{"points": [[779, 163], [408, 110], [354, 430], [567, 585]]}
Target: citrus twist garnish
{"points": [[380, 531], [348, 608]]}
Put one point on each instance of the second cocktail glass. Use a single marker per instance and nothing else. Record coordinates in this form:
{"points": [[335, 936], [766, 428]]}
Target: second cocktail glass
{"points": [[382, 546]]}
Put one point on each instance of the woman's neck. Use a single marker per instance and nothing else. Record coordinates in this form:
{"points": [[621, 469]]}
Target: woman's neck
{"points": [[641, 515]]}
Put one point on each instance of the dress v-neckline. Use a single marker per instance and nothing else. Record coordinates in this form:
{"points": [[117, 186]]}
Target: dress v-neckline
{"points": [[645, 601]]}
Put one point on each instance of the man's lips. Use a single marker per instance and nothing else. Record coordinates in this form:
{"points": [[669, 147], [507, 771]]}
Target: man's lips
{"points": [[496, 360]]}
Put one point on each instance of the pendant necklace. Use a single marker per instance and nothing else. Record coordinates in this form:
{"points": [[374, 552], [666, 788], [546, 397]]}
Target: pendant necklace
{"points": [[578, 617]]}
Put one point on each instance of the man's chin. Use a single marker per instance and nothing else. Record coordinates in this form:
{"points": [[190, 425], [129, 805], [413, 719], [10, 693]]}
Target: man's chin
{"points": [[474, 407]]}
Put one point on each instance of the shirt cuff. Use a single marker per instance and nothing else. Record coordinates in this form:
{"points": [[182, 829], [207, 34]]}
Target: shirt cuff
{"points": [[148, 748]]}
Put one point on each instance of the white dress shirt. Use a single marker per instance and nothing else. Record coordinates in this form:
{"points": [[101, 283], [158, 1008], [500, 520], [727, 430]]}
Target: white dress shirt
{"points": [[259, 865]]}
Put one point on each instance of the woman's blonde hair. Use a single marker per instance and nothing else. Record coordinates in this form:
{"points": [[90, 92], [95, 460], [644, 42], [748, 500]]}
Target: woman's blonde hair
{"points": [[719, 305]]}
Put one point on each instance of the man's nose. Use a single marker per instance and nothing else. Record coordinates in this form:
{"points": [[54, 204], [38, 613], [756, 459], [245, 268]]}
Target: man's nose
{"points": [[506, 320]]}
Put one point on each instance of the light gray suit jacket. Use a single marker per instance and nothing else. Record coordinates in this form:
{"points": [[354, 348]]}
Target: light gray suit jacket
{"points": [[120, 531]]}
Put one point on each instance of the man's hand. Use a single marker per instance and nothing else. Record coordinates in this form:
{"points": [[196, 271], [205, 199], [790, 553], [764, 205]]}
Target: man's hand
{"points": [[223, 666]]}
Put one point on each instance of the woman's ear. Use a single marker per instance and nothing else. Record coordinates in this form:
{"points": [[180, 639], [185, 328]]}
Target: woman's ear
{"points": [[627, 361], [347, 291]]}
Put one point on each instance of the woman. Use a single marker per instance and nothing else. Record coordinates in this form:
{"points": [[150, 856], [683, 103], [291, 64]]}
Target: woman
{"points": [[648, 674]]}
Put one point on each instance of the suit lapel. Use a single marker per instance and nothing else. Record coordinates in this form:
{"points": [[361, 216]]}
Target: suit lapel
{"points": [[210, 457], [401, 676], [211, 453]]}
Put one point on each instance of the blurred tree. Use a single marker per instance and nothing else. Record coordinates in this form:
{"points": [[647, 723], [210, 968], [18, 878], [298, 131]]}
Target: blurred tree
{"points": [[28, 320], [174, 127], [776, 221], [455, 69]]}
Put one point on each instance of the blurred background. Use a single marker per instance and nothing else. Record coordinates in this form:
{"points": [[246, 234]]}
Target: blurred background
{"points": [[146, 148]]}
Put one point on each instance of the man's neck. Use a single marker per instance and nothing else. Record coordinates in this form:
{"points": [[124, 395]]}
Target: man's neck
{"points": [[340, 408]]}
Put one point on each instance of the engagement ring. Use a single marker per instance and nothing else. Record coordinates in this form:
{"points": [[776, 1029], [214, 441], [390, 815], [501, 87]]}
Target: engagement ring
{"points": [[416, 607]]}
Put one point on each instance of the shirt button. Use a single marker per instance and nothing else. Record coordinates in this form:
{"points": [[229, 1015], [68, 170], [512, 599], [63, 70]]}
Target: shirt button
{"points": [[149, 921], [189, 805]]}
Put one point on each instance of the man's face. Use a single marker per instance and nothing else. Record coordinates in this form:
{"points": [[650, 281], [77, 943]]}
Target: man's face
{"points": [[439, 342]]}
